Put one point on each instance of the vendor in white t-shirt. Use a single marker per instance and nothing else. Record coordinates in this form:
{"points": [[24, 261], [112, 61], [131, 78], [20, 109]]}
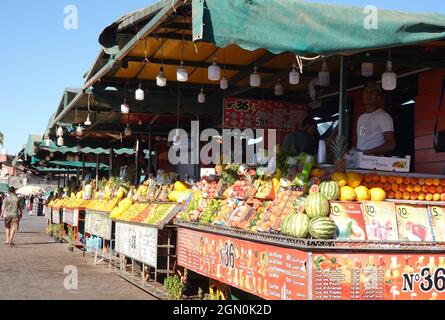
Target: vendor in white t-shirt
{"points": [[375, 128]]}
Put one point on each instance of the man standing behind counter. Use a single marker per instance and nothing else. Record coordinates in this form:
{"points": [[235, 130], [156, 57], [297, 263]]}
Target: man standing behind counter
{"points": [[375, 128]]}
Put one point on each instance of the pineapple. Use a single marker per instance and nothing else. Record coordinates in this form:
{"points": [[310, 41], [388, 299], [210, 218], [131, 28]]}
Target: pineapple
{"points": [[338, 147]]}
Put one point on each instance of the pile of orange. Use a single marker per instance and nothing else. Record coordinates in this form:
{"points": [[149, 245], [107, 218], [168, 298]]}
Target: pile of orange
{"points": [[407, 188]]}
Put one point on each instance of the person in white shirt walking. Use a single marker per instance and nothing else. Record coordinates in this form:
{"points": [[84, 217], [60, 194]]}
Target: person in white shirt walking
{"points": [[375, 128]]}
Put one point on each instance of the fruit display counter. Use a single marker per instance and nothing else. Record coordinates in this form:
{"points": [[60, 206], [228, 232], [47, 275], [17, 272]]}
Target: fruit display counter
{"points": [[334, 238]]}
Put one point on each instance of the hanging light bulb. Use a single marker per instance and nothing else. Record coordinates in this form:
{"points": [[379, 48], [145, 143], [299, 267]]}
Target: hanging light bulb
{"points": [[324, 77], [367, 68], [88, 121], [182, 74], [60, 132], [139, 94], [125, 108], [78, 148], [202, 96], [47, 158], [76, 158], [60, 141], [161, 81], [294, 75], [279, 90], [214, 71], [128, 132], [255, 78], [51, 154], [140, 122], [224, 83], [389, 78], [79, 130]]}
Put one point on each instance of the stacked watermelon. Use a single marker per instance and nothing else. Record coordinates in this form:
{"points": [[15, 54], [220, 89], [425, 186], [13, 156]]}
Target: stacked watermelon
{"points": [[311, 216]]}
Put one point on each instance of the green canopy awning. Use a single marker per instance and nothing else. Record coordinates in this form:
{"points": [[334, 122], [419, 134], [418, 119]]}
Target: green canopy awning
{"points": [[33, 142], [52, 147], [305, 28], [75, 164], [4, 187]]}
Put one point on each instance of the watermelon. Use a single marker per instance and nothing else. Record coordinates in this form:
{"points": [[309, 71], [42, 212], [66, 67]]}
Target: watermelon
{"points": [[296, 225], [299, 202], [322, 228], [330, 190], [317, 205]]}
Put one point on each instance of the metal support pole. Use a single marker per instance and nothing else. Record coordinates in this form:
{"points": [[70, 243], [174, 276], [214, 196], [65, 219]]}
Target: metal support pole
{"points": [[149, 151], [97, 171], [111, 162], [137, 177], [83, 167], [343, 129]]}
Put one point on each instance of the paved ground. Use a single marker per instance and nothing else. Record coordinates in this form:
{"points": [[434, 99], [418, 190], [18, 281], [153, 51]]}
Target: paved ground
{"points": [[34, 269]]}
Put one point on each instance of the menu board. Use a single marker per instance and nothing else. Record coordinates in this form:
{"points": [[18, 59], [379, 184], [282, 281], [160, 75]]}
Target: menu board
{"points": [[137, 242], [98, 224], [437, 217], [267, 271], [348, 217], [263, 114], [48, 213], [380, 220], [413, 223], [56, 216], [378, 276], [71, 217]]}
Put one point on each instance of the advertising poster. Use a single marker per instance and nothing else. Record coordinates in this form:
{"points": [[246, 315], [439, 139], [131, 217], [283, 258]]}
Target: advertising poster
{"points": [[348, 217], [267, 271], [378, 276], [380, 220], [413, 223]]}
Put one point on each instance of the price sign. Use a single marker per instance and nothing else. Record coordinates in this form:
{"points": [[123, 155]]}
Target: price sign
{"points": [[413, 223], [437, 218], [137, 242], [380, 220], [56, 216], [98, 224]]}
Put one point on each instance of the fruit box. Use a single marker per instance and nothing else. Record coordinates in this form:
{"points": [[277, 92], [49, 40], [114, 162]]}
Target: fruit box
{"points": [[437, 218], [348, 217], [357, 160], [413, 223], [380, 220]]}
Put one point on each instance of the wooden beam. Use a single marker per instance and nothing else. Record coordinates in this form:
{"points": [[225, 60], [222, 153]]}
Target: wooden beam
{"points": [[249, 69], [173, 62]]}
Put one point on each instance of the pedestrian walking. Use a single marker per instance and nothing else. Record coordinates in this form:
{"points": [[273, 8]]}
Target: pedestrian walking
{"points": [[12, 213]]}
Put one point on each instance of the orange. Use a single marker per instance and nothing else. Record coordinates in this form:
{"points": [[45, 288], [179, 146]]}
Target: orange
{"points": [[406, 196], [391, 179], [402, 188], [436, 182], [429, 197], [387, 187], [399, 180], [429, 182], [440, 189], [406, 180], [375, 178], [379, 185], [409, 188], [371, 185], [442, 182], [436, 197], [432, 189], [421, 197], [442, 197], [399, 195], [425, 189], [413, 196], [417, 188], [421, 181], [391, 195], [413, 181], [368, 178], [383, 179], [394, 187]]}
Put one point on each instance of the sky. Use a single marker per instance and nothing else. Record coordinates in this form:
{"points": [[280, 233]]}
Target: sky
{"points": [[39, 57]]}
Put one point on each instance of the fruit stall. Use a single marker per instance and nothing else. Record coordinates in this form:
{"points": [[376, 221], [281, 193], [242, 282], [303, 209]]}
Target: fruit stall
{"points": [[336, 236]]}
